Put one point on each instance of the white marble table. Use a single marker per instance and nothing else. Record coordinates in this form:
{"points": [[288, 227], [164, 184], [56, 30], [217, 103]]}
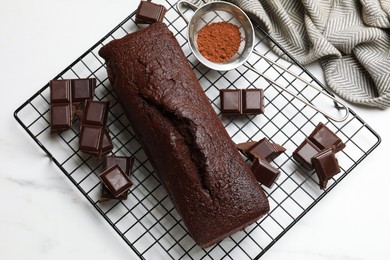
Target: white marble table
{"points": [[44, 217]]}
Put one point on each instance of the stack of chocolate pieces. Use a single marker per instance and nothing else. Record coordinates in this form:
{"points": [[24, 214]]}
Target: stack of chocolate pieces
{"points": [[318, 151], [148, 12], [242, 101], [115, 177], [261, 153], [72, 99]]}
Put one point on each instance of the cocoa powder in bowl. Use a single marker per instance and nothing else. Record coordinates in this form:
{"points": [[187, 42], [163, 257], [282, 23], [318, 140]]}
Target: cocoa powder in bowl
{"points": [[218, 42]]}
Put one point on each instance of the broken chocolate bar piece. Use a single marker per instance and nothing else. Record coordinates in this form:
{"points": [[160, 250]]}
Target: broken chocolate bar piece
{"points": [[242, 102], [326, 165], [126, 164], [252, 101], [94, 136], [323, 137], [60, 106], [305, 152], [264, 172], [148, 12], [264, 149], [115, 180], [230, 101]]}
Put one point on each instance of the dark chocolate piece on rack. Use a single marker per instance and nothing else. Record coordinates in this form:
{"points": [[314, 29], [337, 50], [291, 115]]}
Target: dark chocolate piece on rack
{"points": [[148, 12], [326, 165], [252, 101], [90, 138], [126, 164], [323, 137], [264, 149], [115, 180], [264, 172], [305, 152], [96, 113], [83, 89], [60, 91], [230, 101], [94, 136], [60, 106], [61, 117]]}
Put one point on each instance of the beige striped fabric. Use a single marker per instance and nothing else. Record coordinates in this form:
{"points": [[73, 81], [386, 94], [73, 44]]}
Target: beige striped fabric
{"points": [[351, 38]]}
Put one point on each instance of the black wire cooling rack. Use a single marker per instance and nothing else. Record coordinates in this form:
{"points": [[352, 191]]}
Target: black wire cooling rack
{"points": [[147, 220]]}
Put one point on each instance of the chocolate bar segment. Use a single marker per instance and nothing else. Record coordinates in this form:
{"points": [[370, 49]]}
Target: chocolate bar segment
{"points": [[126, 164], [264, 149], [230, 101], [94, 136], [323, 137], [326, 165], [252, 101], [83, 89], [148, 12], [60, 106], [264, 172], [115, 180], [305, 152]]}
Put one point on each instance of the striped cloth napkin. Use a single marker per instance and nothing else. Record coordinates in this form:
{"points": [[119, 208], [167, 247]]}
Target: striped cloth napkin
{"points": [[350, 38]]}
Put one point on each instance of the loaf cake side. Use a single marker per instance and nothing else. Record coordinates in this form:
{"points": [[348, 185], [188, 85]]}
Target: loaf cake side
{"points": [[211, 186]]}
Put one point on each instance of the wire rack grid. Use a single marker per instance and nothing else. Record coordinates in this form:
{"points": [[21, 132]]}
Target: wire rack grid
{"points": [[147, 220]]}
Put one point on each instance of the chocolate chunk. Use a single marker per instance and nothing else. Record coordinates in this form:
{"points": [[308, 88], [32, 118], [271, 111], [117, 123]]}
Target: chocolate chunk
{"points": [[61, 117], [263, 149], [94, 137], [326, 165], [96, 113], [252, 101], [126, 165], [60, 106], [264, 172], [237, 101], [83, 89], [115, 180], [90, 138], [148, 12], [323, 137], [305, 152], [230, 101], [60, 91]]}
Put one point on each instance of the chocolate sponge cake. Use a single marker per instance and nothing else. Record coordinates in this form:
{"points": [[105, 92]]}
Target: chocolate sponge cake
{"points": [[211, 186]]}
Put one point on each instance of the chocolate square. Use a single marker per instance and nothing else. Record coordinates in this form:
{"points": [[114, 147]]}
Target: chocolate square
{"points": [[61, 117], [326, 165], [230, 101], [323, 137], [264, 172], [305, 152], [116, 180], [148, 12], [90, 138], [262, 149], [96, 113], [252, 101], [83, 89], [126, 164], [60, 91]]}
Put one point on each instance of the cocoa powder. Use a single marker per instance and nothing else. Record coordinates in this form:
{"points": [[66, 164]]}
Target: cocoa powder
{"points": [[218, 42]]}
